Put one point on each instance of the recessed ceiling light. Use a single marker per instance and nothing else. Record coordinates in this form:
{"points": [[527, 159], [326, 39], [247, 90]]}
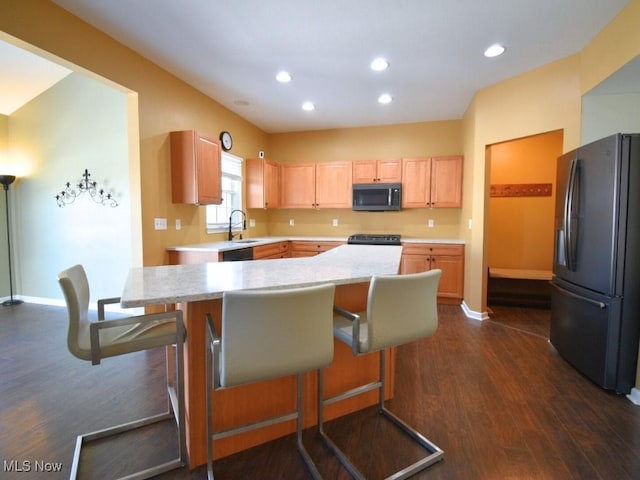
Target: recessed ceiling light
{"points": [[494, 50], [308, 106], [379, 64], [385, 98], [283, 77]]}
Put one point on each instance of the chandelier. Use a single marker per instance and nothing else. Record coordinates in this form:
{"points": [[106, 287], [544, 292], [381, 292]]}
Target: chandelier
{"points": [[86, 185]]}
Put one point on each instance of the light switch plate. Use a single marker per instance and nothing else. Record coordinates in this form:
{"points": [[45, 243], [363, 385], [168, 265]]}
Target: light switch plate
{"points": [[430, 223], [160, 223], [252, 222], [178, 224], [335, 222], [292, 222]]}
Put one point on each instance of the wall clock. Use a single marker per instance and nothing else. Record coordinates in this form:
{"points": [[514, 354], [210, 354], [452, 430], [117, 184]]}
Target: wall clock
{"points": [[226, 140]]}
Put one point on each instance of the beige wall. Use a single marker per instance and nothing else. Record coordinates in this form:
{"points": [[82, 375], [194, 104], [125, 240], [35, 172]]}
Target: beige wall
{"points": [[422, 139], [542, 100], [521, 228], [545, 99], [392, 141], [4, 122], [613, 47], [165, 103]]}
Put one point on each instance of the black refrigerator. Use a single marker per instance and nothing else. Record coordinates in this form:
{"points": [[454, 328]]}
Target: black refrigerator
{"points": [[595, 299]]}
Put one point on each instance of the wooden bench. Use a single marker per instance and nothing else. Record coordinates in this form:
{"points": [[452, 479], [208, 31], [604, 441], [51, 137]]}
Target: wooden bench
{"points": [[519, 287]]}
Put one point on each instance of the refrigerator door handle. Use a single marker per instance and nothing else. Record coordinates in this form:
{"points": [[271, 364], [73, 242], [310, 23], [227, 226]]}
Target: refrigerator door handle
{"points": [[569, 204], [579, 297]]}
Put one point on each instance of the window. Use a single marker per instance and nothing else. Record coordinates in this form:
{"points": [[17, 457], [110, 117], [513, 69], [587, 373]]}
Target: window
{"points": [[218, 215]]}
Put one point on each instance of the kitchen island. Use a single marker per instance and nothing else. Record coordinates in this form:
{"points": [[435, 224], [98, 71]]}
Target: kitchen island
{"points": [[197, 289]]}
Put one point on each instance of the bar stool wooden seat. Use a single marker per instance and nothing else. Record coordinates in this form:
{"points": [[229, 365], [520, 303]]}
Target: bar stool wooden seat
{"points": [[267, 334], [97, 340], [400, 309]]}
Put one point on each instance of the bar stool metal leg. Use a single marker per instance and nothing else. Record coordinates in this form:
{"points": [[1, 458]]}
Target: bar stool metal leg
{"points": [[435, 453], [175, 411], [96, 340]]}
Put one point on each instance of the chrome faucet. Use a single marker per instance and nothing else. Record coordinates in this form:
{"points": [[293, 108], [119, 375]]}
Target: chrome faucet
{"points": [[244, 222]]}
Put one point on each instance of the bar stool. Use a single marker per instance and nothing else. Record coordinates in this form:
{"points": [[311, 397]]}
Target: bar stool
{"points": [[400, 309], [268, 334], [96, 340]]}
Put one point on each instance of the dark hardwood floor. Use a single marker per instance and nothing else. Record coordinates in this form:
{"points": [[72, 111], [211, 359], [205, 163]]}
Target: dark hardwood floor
{"points": [[494, 395]]}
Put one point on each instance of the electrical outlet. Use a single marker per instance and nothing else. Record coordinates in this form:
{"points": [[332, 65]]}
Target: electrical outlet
{"points": [[178, 224], [160, 223], [252, 222], [430, 223], [335, 222], [292, 222], [470, 224]]}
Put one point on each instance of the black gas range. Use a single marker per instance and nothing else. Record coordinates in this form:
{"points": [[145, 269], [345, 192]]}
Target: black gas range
{"points": [[374, 239]]}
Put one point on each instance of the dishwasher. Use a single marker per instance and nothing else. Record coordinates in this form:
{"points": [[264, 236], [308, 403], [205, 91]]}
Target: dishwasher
{"points": [[237, 254]]}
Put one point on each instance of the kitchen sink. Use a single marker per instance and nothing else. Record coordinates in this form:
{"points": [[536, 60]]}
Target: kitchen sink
{"points": [[245, 241]]}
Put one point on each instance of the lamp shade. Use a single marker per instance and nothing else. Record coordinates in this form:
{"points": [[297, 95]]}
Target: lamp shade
{"points": [[7, 180]]}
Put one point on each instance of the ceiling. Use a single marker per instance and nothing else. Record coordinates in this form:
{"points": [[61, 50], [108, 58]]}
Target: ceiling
{"points": [[232, 49], [24, 76]]}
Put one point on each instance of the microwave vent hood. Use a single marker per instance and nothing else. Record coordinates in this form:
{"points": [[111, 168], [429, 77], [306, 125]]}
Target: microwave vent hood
{"points": [[377, 197]]}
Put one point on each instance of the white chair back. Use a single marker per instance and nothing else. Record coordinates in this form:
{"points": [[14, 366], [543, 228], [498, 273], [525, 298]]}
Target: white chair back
{"points": [[274, 333], [401, 309], [75, 288]]}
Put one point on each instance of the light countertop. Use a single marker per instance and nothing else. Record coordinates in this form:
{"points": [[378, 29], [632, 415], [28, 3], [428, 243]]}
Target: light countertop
{"points": [[254, 242], [187, 283]]}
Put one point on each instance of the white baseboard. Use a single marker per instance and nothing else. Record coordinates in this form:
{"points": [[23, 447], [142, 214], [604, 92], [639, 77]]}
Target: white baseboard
{"points": [[634, 396], [481, 316], [55, 302]]}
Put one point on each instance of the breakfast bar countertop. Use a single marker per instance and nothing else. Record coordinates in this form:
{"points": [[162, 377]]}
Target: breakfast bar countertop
{"points": [[169, 284]]}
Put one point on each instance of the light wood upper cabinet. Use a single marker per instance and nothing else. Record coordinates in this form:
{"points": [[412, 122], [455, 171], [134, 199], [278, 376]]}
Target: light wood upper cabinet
{"points": [[298, 185], [321, 185], [446, 181], [434, 182], [373, 171], [262, 183], [416, 173], [333, 185], [195, 168]]}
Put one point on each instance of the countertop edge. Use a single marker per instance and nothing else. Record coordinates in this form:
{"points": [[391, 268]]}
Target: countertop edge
{"points": [[258, 241], [167, 284]]}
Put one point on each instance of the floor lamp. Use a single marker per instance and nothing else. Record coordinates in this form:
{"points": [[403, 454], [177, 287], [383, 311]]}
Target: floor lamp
{"points": [[7, 180]]}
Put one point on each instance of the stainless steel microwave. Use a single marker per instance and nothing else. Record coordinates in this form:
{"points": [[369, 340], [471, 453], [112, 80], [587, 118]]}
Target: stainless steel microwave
{"points": [[377, 197]]}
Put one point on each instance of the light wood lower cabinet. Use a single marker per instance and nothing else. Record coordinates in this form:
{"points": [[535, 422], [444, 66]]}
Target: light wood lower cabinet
{"points": [[420, 257], [305, 248], [271, 250]]}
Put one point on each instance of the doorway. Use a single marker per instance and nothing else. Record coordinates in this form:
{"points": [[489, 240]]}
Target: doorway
{"points": [[521, 203]]}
